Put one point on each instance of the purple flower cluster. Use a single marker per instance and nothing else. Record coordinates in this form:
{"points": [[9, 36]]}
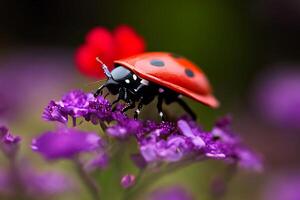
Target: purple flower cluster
{"points": [[162, 144], [157, 142], [78, 104], [186, 140], [33, 183], [20, 179]]}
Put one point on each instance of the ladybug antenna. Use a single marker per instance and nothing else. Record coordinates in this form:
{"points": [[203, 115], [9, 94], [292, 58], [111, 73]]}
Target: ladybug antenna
{"points": [[104, 67]]}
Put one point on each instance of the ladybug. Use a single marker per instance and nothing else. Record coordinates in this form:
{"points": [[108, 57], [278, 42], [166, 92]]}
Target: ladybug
{"points": [[141, 78]]}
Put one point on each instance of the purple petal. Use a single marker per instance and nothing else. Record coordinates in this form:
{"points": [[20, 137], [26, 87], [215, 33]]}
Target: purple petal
{"points": [[249, 160], [65, 143], [175, 149], [149, 152], [124, 129], [187, 131], [185, 128]]}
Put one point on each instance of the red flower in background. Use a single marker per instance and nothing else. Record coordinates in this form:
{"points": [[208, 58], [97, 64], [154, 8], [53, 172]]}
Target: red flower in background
{"points": [[108, 46]]}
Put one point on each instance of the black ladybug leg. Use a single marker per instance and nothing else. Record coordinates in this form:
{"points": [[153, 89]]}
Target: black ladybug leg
{"points": [[128, 106], [138, 110], [125, 96], [99, 90], [130, 103], [186, 108], [106, 95], [116, 101], [159, 107], [140, 88], [120, 96]]}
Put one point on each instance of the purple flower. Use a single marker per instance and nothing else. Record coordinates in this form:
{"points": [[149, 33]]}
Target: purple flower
{"points": [[188, 141], [20, 179], [283, 187], [174, 147], [128, 181], [277, 97], [9, 143], [78, 104], [65, 143], [46, 183], [54, 112], [172, 193], [33, 183]]}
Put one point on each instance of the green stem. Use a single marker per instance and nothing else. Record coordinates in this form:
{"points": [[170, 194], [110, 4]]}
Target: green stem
{"points": [[155, 176], [103, 126], [20, 192], [87, 180], [74, 122], [224, 181]]}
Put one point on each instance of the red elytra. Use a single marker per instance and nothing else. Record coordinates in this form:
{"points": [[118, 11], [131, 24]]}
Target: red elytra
{"points": [[173, 72]]}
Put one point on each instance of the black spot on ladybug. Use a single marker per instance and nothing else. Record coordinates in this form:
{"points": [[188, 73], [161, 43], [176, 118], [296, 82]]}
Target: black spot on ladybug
{"points": [[157, 63], [189, 73], [174, 55]]}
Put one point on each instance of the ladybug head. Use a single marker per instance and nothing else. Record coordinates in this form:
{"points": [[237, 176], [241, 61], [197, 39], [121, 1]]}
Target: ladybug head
{"points": [[112, 86]]}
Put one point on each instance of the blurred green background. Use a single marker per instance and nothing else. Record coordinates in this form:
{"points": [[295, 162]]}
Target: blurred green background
{"points": [[233, 41]]}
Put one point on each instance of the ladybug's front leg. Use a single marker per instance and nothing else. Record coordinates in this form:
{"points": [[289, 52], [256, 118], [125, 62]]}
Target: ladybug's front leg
{"points": [[99, 90]]}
